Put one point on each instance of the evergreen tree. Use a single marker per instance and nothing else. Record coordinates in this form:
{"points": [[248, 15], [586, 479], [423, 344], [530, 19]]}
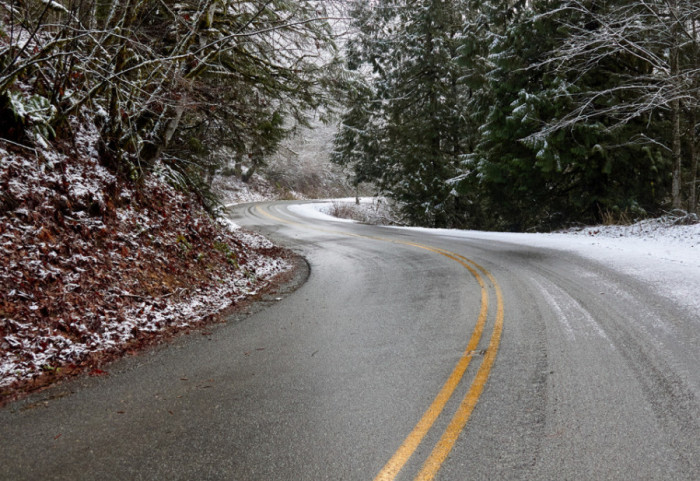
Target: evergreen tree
{"points": [[651, 46], [525, 114], [525, 179], [416, 105]]}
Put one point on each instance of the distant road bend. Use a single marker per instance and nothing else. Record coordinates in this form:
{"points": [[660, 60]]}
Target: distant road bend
{"points": [[406, 355]]}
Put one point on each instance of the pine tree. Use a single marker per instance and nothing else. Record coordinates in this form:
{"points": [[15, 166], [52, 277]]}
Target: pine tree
{"points": [[416, 105], [525, 178], [526, 114], [653, 42]]}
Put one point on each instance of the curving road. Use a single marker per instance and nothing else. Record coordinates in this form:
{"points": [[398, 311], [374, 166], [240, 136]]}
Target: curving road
{"points": [[405, 355]]}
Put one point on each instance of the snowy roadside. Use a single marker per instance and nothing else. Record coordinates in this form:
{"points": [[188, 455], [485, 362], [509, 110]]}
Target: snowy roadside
{"points": [[665, 256], [31, 350], [92, 267], [370, 210]]}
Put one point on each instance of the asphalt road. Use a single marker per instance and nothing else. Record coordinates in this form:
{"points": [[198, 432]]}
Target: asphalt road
{"points": [[403, 356]]}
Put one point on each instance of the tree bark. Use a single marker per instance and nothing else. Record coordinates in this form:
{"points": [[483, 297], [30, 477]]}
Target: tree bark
{"points": [[694, 206], [692, 198], [163, 134], [676, 198], [249, 173]]}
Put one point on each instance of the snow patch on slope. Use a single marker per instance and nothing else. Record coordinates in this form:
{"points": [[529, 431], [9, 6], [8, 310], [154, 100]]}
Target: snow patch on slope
{"points": [[83, 263]]}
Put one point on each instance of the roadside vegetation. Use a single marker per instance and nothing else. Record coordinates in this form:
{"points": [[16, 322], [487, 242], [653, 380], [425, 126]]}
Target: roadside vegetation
{"points": [[525, 115], [373, 211], [115, 119], [93, 266]]}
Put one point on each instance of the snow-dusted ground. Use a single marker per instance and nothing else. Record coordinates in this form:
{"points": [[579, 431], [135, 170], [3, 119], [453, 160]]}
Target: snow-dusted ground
{"points": [[665, 256], [233, 190], [35, 348], [372, 210], [85, 272], [319, 210]]}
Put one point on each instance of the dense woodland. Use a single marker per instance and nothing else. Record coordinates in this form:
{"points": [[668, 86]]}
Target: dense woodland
{"points": [[510, 115], [525, 114], [170, 84]]}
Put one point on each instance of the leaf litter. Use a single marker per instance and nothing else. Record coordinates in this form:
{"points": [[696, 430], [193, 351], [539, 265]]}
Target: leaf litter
{"points": [[92, 267]]}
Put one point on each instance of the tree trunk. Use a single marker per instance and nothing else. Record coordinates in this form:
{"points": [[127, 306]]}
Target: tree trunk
{"points": [[249, 173], [163, 134], [676, 198], [693, 199]]}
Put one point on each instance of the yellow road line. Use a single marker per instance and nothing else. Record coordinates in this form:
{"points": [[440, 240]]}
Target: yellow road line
{"points": [[413, 440], [284, 221], [460, 418], [449, 438]]}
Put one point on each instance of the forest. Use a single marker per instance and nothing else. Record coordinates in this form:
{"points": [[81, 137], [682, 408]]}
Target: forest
{"points": [[507, 115], [525, 114], [181, 89], [120, 119]]}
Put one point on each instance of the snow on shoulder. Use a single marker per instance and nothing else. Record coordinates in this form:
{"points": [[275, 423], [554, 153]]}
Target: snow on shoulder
{"points": [[317, 210], [92, 266], [663, 252], [369, 210], [656, 251]]}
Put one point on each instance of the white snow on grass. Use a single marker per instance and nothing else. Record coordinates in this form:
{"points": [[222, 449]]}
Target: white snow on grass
{"points": [[234, 191], [371, 209], [228, 223]]}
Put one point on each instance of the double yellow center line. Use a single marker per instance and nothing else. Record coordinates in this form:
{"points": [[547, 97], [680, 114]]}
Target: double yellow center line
{"points": [[449, 437]]}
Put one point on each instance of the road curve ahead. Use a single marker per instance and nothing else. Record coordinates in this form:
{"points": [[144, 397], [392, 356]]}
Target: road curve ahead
{"points": [[406, 355]]}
